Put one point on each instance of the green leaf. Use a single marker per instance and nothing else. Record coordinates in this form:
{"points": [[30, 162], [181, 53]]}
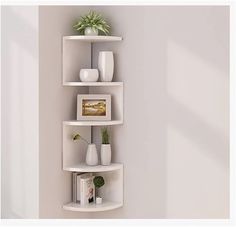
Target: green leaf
{"points": [[105, 135]]}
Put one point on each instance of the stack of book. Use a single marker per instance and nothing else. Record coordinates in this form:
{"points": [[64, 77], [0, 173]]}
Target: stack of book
{"points": [[83, 189]]}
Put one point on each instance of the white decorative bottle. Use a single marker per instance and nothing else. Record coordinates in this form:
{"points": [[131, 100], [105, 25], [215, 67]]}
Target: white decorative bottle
{"points": [[105, 147], [106, 65], [92, 155], [106, 154]]}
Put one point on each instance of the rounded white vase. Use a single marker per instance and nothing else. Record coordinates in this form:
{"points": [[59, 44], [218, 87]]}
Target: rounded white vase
{"points": [[90, 31], [92, 155], [106, 65], [106, 154], [88, 75]]}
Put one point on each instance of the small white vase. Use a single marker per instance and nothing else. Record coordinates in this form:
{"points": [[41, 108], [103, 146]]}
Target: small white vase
{"points": [[92, 155], [106, 65], [106, 154], [90, 31], [88, 75]]}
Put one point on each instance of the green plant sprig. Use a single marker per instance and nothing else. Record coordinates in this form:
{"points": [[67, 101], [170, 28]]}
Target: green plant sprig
{"points": [[93, 20], [79, 137], [105, 135]]}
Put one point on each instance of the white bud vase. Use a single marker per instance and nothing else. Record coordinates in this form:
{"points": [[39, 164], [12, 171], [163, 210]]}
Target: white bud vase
{"points": [[106, 65], [106, 154], [92, 155]]}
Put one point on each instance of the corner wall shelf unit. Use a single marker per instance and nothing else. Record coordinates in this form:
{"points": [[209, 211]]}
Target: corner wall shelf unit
{"points": [[77, 54]]}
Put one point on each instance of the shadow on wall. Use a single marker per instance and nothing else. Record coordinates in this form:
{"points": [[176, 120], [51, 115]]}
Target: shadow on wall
{"points": [[196, 105], [198, 126]]}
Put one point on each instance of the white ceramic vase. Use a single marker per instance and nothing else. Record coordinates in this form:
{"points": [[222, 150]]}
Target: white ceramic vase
{"points": [[106, 154], [92, 155], [88, 75], [106, 65], [90, 31]]}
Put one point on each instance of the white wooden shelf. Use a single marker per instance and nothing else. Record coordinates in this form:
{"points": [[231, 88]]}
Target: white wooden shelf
{"points": [[106, 205], [82, 167], [92, 123], [77, 53], [99, 38], [98, 84]]}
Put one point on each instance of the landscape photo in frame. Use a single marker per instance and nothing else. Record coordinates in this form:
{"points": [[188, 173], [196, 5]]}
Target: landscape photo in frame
{"points": [[94, 107]]}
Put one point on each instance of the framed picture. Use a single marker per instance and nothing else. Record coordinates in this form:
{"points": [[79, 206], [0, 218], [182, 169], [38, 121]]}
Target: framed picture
{"points": [[94, 107]]}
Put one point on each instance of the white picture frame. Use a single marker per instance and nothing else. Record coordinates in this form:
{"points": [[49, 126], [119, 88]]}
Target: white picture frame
{"points": [[93, 107]]}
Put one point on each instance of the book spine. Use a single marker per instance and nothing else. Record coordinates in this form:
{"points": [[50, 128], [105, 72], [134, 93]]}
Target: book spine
{"points": [[78, 188], [74, 187]]}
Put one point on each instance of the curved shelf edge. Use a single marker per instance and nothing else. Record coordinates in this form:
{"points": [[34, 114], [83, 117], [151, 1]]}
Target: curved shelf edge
{"points": [[106, 205], [94, 84], [99, 168], [92, 123], [99, 38]]}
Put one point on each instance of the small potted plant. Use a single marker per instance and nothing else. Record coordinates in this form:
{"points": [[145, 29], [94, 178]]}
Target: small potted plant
{"points": [[91, 24], [98, 182], [91, 155], [105, 147]]}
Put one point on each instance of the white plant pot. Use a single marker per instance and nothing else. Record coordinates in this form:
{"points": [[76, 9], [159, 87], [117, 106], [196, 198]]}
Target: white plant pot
{"points": [[106, 154], [98, 200], [88, 75], [90, 31], [106, 65], [92, 155]]}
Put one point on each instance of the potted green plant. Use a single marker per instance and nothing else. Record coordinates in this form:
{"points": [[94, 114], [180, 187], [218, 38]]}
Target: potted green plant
{"points": [[91, 155], [105, 147], [91, 24], [98, 182]]}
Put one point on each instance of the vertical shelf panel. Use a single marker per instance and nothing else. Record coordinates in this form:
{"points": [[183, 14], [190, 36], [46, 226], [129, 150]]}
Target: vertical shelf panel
{"points": [[75, 56], [113, 188], [116, 99]]}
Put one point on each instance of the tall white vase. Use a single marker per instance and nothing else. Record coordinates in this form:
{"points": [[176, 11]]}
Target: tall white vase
{"points": [[92, 155], [106, 154], [106, 65]]}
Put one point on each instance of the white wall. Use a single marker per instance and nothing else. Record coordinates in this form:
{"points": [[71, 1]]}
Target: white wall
{"points": [[174, 143], [19, 91], [177, 61]]}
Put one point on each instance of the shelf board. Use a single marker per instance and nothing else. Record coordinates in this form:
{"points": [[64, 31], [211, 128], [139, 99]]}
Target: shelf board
{"points": [[82, 167], [106, 205], [92, 123], [99, 38], [98, 84]]}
